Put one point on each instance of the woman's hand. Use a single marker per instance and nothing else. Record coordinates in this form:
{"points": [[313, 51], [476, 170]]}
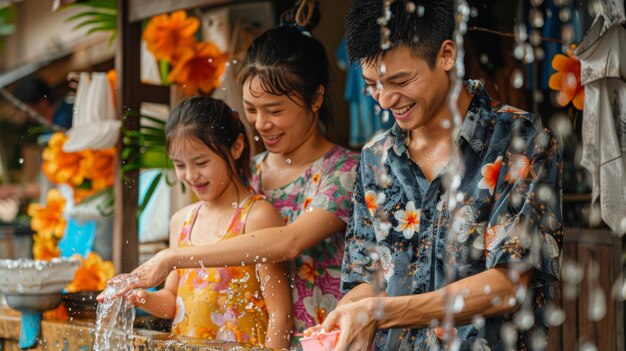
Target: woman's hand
{"points": [[148, 275], [357, 324]]}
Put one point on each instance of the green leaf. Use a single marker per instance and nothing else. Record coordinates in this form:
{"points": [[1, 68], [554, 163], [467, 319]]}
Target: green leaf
{"points": [[102, 4], [99, 29], [103, 16], [164, 70], [148, 196], [153, 119]]}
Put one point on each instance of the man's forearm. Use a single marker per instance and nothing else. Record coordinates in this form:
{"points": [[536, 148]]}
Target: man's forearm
{"points": [[360, 292], [487, 294]]}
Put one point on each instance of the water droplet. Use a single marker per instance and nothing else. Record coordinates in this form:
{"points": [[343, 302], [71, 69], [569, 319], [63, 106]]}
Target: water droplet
{"points": [[385, 42], [484, 58], [594, 8], [517, 78], [385, 116], [420, 11], [478, 321], [383, 70], [565, 14], [143, 301], [524, 319], [539, 53], [529, 53], [508, 334], [446, 123], [21, 160], [264, 260], [256, 138], [535, 37], [458, 304], [596, 310], [473, 12], [518, 51], [554, 315], [520, 32], [410, 7], [235, 62], [536, 18], [234, 205], [288, 161], [536, 3], [588, 346]]}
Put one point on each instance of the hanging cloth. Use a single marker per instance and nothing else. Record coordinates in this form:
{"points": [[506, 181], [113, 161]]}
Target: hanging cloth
{"points": [[94, 124], [602, 54]]}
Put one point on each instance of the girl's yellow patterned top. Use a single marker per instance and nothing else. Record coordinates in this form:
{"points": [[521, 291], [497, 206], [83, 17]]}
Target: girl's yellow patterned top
{"points": [[223, 303]]}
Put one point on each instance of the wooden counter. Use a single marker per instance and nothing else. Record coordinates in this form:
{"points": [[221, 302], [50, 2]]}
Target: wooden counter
{"points": [[77, 335]]}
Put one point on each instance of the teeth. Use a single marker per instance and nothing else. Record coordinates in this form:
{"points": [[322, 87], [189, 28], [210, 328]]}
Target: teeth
{"points": [[402, 111]]}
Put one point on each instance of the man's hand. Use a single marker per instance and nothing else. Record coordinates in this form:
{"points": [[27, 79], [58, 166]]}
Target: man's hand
{"points": [[357, 324]]}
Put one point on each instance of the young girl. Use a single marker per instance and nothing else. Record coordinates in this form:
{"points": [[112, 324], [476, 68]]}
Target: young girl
{"points": [[206, 143], [308, 178]]}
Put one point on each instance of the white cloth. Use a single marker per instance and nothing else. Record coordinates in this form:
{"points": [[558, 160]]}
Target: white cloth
{"points": [[602, 53], [94, 125]]}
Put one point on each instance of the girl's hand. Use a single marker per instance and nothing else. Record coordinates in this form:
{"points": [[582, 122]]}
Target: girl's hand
{"points": [[137, 297], [149, 274]]}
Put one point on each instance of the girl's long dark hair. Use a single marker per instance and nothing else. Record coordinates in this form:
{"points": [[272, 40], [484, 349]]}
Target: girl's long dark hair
{"points": [[215, 124]]}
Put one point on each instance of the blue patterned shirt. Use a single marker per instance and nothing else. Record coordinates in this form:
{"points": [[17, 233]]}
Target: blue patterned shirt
{"points": [[509, 212]]}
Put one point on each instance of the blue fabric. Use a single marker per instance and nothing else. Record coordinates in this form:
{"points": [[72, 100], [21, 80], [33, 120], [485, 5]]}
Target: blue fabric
{"points": [[78, 239], [364, 121], [29, 330], [409, 228]]}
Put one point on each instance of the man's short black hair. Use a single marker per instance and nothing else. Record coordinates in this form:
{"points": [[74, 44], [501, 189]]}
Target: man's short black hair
{"points": [[33, 89], [420, 25]]}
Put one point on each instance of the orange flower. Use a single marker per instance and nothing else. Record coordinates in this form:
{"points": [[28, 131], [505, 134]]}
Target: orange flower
{"points": [[370, 201], [92, 275], [307, 202], [490, 173], [98, 166], [45, 248], [492, 234], [520, 167], [59, 166], [566, 80], [48, 220], [167, 36], [199, 67], [316, 178], [307, 270]]}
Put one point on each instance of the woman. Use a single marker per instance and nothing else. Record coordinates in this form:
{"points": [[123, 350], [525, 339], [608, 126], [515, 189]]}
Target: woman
{"points": [[304, 175]]}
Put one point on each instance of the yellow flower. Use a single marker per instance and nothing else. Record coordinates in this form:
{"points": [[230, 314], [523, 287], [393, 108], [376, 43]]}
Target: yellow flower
{"points": [[199, 67], [45, 248], [566, 80], [168, 36], [92, 275], [48, 220]]}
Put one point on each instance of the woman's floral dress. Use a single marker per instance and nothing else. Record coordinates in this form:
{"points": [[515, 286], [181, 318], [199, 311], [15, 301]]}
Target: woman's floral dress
{"points": [[327, 184]]}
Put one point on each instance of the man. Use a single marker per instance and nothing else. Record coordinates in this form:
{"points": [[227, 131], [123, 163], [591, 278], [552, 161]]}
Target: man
{"points": [[498, 264]]}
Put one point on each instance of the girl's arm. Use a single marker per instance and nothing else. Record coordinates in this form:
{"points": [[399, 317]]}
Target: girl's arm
{"points": [[274, 281], [277, 295], [162, 303], [278, 244]]}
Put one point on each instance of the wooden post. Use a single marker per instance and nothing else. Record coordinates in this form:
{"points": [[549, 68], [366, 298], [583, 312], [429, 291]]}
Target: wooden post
{"points": [[127, 65]]}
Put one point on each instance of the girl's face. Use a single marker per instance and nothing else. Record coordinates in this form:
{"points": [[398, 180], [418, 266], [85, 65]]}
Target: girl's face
{"points": [[282, 124], [200, 168]]}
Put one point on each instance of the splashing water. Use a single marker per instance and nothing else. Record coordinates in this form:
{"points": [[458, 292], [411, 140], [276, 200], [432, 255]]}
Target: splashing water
{"points": [[114, 323]]}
